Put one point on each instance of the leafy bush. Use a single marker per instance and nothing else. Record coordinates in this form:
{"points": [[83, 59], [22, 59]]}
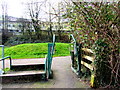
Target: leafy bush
{"points": [[102, 71], [15, 40], [21, 39], [91, 21]]}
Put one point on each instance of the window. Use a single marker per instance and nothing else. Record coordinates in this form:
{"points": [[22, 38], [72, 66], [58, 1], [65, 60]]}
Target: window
{"points": [[11, 30], [13, 25], [20, 25], [17, 30], [8, 25]]}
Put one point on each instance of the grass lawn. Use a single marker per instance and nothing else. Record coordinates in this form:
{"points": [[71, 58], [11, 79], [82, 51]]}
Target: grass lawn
{"points": [[35, 50]]}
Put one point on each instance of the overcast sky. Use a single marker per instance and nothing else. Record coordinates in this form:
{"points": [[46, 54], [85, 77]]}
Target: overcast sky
{"points": [[17, 8]]}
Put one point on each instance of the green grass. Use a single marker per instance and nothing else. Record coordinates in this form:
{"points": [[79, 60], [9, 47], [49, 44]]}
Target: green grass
{"points": [[35, 50]]}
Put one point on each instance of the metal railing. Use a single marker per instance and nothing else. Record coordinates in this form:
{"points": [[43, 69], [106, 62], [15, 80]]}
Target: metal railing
{"points": [[84, 57], [75, 50], [73, 41], [80, 57], [2, 50], [3, 58], [48, 58]]}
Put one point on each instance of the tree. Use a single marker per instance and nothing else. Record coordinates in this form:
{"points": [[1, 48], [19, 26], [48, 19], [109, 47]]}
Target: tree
{"points": [[55, 15], [4, 22], [34, 11], [94, 23]]}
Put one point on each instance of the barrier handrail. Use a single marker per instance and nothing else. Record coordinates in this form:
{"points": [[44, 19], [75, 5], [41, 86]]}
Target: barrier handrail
{"points": [[53, 44], [75, 43], [48, 59], [46, 64], [2, 53], [85, 57], [3, 59], [71, 35], [50, 54], [76, 53]]}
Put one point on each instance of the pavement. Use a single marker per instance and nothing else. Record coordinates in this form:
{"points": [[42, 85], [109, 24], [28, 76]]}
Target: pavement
{"points": [[63, 77]]}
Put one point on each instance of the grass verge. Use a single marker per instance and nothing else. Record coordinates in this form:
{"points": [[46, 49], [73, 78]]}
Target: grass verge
{"points": [[35, 50]]}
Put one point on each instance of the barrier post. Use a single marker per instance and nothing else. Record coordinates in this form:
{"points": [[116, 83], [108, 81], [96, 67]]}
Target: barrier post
{"points": [[79, 58], [49, 57], [2, 56]]}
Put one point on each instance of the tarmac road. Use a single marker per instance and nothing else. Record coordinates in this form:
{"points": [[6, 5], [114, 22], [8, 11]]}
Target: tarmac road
{"points": [[63, 76]]}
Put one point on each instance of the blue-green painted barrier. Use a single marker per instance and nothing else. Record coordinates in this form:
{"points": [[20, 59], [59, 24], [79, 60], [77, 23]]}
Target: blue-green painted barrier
{"points": [[48, 58], [3, 58], [75, 50], [48, 62]]}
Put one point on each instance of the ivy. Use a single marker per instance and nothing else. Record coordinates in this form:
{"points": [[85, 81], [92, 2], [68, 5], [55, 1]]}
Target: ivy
{"points": [[101, 50], [98, 25]]}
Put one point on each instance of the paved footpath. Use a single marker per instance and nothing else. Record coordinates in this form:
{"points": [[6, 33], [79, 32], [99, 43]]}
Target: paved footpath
{"points": [[63, 77]]}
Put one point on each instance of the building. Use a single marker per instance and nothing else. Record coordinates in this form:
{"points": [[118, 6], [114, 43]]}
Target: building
{"points": [[16, 26]]}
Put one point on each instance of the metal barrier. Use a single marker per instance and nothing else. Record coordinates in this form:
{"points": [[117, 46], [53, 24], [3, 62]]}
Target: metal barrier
{"points": [[3, 58], [75, 50], [48, 58], [2, 54], [80, 56]]}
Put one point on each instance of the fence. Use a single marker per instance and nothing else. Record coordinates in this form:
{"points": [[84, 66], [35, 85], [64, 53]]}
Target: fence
{"points": [[81, 56]]}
